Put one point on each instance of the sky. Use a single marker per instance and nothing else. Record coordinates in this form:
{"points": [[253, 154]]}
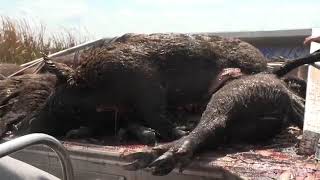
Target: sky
{"points": [[107, 18]]}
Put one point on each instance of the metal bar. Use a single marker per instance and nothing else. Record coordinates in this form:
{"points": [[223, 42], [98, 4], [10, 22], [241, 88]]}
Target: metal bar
{"points": [[60, 53], [274, 64], [23, 69], [39, 138], [67, 51], [38, 68]]}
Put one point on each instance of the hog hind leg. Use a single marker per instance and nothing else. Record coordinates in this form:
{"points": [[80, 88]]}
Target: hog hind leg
{"points": [[221, 113]]}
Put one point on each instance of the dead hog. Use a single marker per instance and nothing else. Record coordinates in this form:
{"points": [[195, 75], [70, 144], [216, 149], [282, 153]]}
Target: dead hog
{"points": [[149, 73], [20, 97], [246, 108]]}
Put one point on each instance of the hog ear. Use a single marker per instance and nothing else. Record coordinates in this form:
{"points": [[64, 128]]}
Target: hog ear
{"points": [[63, 72], [225, 75]]}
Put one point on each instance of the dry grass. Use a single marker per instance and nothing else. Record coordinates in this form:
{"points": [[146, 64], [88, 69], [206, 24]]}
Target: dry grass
{"points": [[21, 41]]}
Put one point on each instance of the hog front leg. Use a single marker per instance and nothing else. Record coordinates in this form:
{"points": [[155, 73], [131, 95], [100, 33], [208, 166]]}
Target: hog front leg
{"points": [[144, 134], [151, 105]]}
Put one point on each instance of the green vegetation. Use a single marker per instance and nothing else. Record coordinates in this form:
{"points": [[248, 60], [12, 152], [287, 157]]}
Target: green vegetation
{"points": [[21, 41]]}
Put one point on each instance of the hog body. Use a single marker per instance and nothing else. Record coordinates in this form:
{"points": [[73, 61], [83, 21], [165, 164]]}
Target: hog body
{"points": [[150, 73]]}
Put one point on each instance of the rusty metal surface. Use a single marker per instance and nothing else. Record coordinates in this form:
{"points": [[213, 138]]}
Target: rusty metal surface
{"points": [[266, 164], [275, 159], [257, 163]]}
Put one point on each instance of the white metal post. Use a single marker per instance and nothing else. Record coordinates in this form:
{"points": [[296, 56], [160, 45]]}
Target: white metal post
{"points": [[311, 127]]}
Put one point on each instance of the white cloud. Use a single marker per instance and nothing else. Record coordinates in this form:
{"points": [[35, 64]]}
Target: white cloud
{"points": [[56, 15], [54, 9], [52, 13]]}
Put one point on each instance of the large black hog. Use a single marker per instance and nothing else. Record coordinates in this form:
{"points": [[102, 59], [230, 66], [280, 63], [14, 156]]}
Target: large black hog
{"points": [[148, 73]]}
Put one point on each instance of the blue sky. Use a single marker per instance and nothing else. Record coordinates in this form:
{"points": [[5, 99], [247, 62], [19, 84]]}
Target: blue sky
{"points": [[115, 17]]}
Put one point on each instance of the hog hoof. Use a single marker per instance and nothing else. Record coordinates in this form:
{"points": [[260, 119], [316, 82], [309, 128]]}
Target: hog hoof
{"points": [[147, 136], [122, 135], [82, 132], [144, 135], [179, 155]]}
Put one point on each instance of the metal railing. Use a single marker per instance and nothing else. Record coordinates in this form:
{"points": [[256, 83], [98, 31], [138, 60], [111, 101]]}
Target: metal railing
{"points": [[275, 64], [60, 53], [22, 142]]}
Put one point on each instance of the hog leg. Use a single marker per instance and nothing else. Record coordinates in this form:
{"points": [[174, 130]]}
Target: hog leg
{"points": [[81, 132], [151, 105], [144, 134], [180, 153], [162, 157]]}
